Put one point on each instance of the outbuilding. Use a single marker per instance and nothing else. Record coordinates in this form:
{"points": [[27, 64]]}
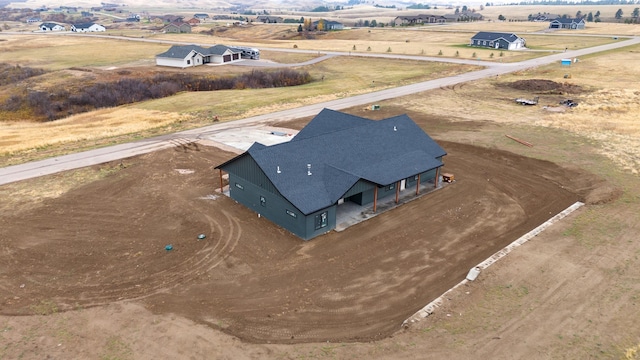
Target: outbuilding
{"points": [[336, 159]]}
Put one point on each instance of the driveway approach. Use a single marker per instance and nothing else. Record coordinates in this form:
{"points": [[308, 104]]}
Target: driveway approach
{"points": [[92, 157]]}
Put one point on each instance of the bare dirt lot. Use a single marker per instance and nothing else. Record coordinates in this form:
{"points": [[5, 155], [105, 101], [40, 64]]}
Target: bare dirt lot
{"points": [[103, 244]]}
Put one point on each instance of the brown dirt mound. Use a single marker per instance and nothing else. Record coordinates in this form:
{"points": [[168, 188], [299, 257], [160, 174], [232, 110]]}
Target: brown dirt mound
{"points": [[541, 86]]}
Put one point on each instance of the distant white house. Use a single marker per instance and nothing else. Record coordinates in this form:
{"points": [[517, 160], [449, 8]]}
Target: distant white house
{"points": [[87, 27], [567, 23], [183, 56], [495, 40], [49, 26]]}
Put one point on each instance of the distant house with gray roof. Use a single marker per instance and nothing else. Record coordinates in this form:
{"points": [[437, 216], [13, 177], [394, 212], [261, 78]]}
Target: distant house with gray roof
{"points": [[269, 19], [177, 28], [567, 23], [184, 56], [496, 40], [408, 20], [327, 25], [336, 159], [87, 27], [49, 26]]}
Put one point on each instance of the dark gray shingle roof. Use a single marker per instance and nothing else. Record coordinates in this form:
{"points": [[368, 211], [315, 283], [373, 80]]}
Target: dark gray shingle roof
{"points": [[342, 149], [83, 25], [568, 20], [492, 36], [181, 51]]}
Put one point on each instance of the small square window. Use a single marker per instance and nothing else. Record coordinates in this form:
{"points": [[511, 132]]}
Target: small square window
{"points": [[321, 220], [188, 62]]}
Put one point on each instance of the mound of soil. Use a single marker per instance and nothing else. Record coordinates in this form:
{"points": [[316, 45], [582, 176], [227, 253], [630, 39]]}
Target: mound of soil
{"points": [[541, 86]]}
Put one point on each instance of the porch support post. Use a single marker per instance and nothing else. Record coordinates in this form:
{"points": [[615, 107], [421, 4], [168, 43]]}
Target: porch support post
{"points": [[397, 190], [375, 198], [437, 177], [221, 183], [418, 185]]}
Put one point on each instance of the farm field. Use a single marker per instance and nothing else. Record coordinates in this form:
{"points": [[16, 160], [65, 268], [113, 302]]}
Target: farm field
{"points": [[103, 285]]}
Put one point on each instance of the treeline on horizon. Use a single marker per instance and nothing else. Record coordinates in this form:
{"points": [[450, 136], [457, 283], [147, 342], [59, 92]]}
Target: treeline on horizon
{"points": [[59, 103]]}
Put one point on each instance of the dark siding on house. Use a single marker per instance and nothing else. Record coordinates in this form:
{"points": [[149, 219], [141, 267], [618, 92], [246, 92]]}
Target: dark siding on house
{"points": [[358, 187], [311, 230], [246, 168], [274, 207]]}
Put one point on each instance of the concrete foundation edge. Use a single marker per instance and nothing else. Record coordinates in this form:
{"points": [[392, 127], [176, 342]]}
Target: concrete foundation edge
{"points": [[430, 308]]}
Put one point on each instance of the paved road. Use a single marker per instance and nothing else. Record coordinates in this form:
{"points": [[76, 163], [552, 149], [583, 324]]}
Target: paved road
{"points": [[92, 157]]}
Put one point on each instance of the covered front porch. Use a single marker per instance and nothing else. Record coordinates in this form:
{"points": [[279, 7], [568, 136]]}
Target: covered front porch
{"points": [[350, 213]]}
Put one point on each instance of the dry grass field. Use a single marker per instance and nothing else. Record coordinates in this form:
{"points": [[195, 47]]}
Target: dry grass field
{"points": [[23, 140], [607, 110]]}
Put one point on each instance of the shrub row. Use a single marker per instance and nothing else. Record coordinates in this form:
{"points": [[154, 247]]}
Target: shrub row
{"points": [[58, 104], [12, 74]]}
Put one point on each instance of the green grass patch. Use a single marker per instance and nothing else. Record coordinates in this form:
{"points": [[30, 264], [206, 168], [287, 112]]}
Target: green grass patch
{"points": [[44, 307], [116, 349]]}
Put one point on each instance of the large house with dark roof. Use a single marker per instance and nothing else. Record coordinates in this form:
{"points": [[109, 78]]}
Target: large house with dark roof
{"points": [[87, 27], [49, 26], [184, 56], [408, 20], [567, 23], [336, 158], [495, 40]]}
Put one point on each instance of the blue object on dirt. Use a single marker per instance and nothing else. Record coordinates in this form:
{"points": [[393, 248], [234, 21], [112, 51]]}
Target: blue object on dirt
{"points": [[201, 236], [168, 247]]}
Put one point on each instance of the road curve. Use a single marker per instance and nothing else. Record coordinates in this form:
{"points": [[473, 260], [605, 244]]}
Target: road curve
{"points": [[116, 152]]}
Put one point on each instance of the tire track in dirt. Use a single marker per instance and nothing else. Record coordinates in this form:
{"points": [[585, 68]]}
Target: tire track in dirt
{"points": [[207, 258]]}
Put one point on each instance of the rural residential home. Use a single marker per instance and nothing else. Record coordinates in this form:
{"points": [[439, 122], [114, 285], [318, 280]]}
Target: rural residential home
{"points": [[32, 20], [327, 25], [269, 19], [201, 16], [336, 160], [464, 16], [418, 20], [49, 26], [494, 40], [193, 22], [184, 56], [567, 23], [87, 27], [177, 28], [543, 17]]}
